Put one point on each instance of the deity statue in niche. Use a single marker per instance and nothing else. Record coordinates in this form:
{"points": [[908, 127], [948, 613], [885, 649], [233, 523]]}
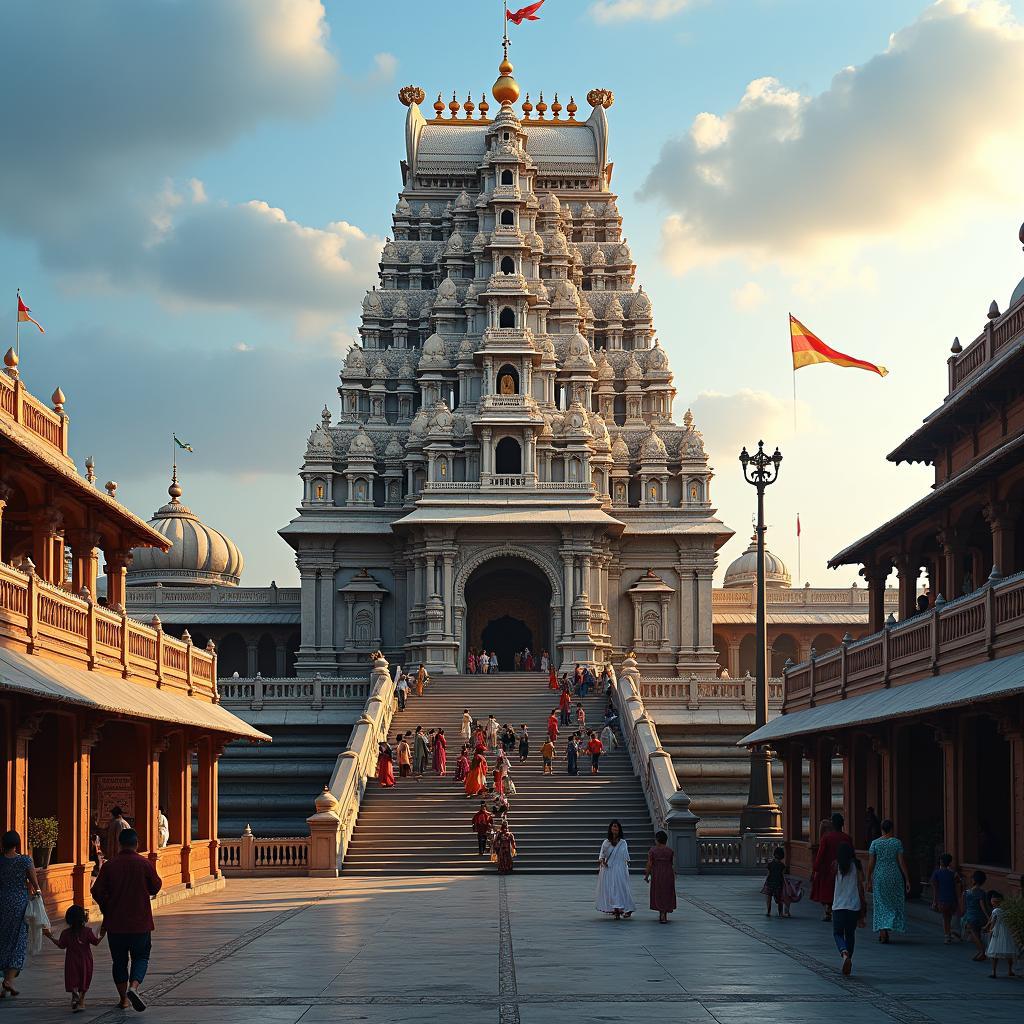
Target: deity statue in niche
{"points": [[620, 492], [693, 492], [507, 384], [360, 490], [444, 469], [654, 492]]}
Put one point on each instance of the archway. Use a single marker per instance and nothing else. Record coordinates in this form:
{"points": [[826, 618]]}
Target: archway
{"points": [[508, 457], [508, 607], [507, 317]]}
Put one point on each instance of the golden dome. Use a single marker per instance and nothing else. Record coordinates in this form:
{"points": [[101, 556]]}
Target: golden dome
{"points": [[506, 88]]}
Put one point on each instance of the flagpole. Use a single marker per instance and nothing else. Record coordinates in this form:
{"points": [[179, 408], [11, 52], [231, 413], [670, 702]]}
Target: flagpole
{"points": [[799, 541], [504, 31], [17, 326]]}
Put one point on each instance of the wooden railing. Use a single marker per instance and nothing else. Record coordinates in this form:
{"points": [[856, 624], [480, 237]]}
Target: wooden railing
{"points": [[993, 339], [36, 418], [704, 691], [251, 856], [41, 617], [317, 692], [967, 630]]}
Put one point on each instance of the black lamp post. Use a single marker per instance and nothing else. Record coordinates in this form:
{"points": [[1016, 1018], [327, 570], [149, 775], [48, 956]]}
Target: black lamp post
{"points": [[761, 813]]}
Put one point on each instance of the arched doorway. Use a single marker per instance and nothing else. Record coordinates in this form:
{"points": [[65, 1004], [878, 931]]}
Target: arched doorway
{"points": [[508, 457], [508, 607]]}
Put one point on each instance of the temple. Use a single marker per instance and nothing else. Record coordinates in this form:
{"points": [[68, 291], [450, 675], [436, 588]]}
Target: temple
{"points": [[505, 470]]}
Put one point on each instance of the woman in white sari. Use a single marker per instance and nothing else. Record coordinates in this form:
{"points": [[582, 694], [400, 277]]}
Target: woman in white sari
{"points": [[613, 893]]}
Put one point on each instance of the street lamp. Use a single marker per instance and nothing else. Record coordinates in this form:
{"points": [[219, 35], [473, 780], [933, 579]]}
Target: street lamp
{"points": [[761, 813]]}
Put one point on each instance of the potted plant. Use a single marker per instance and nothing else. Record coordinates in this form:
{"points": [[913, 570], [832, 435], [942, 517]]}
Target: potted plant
{"points": [[1013, 911], [42, 838]]}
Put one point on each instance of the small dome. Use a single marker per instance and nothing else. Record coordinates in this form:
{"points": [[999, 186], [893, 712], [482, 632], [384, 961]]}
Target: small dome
{"points": [[613, 311], [361, 445], [372, 303], [652, 448], [419, 424], [657, 360], [620, 452], [587, 213], [433, 353], [355, 360], [463, 203], [743, 571], [559, 245], [579, 353], [604, 368], [632, 371], [550, 203], [446, 290], [479, 240], [400, 310], [403, 209], [455, 244], [199, 555], [640, 307], [426, 211], [394, 451], [379, 371], [598, 258]]}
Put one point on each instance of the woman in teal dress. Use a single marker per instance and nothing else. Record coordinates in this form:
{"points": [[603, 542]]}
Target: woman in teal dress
{"points": [[887, 883]]}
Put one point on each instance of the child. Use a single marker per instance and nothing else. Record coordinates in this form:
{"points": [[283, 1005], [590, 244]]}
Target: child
{"points": [[595, 747], [581, 718], [524, 743], [77, 941], [945, 898], [462, 765], [1000, 944], [974, 912], [547, 753], [774, 887]]}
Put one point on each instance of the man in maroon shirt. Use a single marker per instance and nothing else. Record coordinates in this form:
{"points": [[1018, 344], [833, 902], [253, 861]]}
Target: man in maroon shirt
{"points": [[124, 888], [825, 860]]}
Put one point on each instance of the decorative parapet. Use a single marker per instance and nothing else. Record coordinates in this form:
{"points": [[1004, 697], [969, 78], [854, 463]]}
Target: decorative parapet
{"points": [[317, 692], [668, 804], [709, 691], [337, 807]]}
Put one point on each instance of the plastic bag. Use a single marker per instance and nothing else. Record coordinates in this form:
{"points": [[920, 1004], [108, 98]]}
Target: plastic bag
{"points": [[36, 919]]}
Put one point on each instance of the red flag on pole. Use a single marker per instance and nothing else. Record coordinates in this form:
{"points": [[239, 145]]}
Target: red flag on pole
{"points": [[23, 314], [798, 524], [524, 13]]}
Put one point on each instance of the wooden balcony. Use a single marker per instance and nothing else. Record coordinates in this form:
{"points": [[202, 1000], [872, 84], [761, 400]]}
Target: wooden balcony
{"points": [[46, 424], [986, 347], [988, 623], [38, 618]]}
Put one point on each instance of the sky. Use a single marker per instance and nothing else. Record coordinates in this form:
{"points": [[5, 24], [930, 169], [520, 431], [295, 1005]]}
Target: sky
{"points": [[195, 193]]}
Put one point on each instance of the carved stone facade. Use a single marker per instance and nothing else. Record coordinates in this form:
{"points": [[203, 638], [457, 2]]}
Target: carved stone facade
{"points": [[505, 426]]}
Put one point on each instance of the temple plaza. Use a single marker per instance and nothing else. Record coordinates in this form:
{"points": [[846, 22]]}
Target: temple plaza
{"points": [[509, 542], [527, 949]]}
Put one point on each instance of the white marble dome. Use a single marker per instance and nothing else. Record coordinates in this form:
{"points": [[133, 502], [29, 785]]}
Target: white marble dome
{"points": [[199, 554], [743, 570]]}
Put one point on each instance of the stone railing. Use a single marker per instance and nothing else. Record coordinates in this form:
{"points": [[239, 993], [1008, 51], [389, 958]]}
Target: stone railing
{"points": [[668, 805], [708, 691], [986, 347], [249, 856], [507, 402], [40, 617], [733, 854], [949, 634], [25, 409], [853, 599], [337, 808], [317, 692], [155, 596]]}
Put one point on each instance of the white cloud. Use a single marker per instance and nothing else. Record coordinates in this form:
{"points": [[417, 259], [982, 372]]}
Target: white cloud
{"points": [[748, 296], [606, 11], [730, 421], [783, 176]]}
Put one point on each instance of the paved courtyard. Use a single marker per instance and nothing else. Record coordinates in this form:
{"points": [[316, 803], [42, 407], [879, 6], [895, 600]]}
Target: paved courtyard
{"points": [[527, 949]]}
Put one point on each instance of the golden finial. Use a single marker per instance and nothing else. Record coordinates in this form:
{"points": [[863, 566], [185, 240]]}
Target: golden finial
{"points": [[454, 106], [438, 107], [527, 108], [572, 108], [484, 105], [556, 108], [542, 107], [506, 88], [601, 98], [410, 94], [58, 400], [468, 107]]}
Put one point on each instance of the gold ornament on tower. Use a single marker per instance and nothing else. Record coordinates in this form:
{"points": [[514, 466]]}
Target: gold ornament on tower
{"points": [[506, 88]]}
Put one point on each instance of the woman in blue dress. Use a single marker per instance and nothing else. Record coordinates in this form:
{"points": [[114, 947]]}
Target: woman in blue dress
{"points": [[887, 883], [17, 875], [572, 753]]}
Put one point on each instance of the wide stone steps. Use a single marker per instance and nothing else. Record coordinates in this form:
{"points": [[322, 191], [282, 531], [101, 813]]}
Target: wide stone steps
{"points": [[559, 820]]}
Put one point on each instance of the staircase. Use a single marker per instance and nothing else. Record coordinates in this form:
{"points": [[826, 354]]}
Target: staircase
{"points": [[558, 820], [270, 785]]}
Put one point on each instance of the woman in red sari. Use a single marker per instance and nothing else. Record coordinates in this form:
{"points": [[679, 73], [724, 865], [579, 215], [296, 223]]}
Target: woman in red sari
{"points": [[503, 846], [552, 679], [385, 768], [462, 765], [440, 752], [476, 780]]}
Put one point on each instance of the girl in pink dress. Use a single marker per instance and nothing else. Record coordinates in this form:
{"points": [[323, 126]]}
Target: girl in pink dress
{"points": [[77, 941]]}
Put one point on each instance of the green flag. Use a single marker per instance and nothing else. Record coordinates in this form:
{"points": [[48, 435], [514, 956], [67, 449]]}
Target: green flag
{"points": [[182, 444]]}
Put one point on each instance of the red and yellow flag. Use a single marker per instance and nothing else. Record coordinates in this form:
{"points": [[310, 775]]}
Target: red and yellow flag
{"points": [[808, 349]]}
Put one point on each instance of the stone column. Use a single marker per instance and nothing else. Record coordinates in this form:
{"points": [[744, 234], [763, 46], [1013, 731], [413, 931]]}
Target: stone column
{"points": [[951, 578], [85, 564], [327, 644], [307, 601], [448, 591], [251, 655], [486, 460], [567, 586], [733, 661]]}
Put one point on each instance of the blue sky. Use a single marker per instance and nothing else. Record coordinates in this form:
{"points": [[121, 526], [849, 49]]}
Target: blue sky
{"points": [[198, 189]]}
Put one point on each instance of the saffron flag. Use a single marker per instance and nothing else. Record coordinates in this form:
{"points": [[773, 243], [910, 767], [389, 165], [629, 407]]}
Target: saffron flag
{"points": [[808, 349], [23, 315], [524, 13], [182, 444]]}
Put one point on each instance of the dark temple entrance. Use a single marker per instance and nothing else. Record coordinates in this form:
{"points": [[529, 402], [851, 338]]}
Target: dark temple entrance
{"points": [[508, 607]]}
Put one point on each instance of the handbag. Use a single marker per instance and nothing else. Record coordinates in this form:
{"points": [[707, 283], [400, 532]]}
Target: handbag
{"points": [[793, 888], [36, 919]]}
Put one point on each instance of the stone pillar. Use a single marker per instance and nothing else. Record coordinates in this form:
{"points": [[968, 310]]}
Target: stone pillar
{"points": [[448, 591], [907, 571], [949, 541], [326, 585], [569, 595], [85, 563], [875, 575], [733, 662], [251, 655], [307, 600]]}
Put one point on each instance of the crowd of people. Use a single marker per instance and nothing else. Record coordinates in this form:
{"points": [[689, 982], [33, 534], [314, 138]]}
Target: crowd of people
{"points": [[841, 884]]}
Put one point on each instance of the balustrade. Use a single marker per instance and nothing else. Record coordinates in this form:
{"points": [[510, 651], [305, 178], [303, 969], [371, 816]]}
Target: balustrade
{"points": [[315, 692], [35, 417], [953, 633]]}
